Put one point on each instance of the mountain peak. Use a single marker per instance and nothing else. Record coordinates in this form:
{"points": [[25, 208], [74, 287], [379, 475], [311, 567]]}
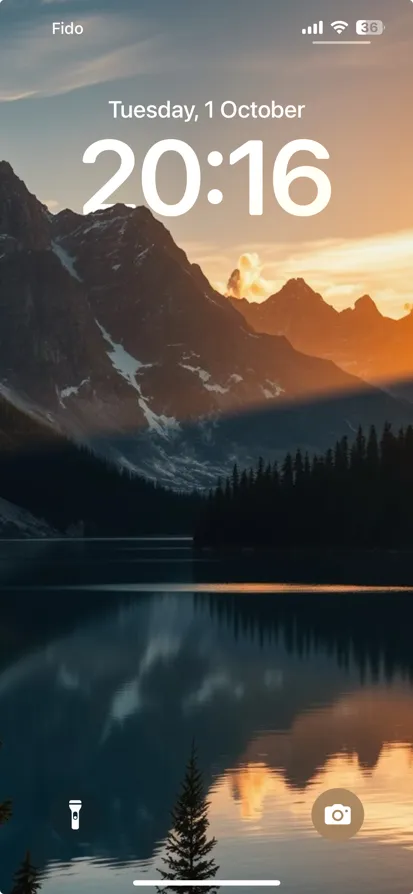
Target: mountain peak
{"points": [[298, 287], [298, 292], [6, 169], [365, 305], [22, 216], [298, 281]]}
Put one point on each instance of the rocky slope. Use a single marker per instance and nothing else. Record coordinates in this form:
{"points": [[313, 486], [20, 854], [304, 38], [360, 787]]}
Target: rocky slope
{"points": [[16, 522]]}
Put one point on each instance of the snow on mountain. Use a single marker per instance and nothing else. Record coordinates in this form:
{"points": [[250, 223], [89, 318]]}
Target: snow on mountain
{"points": [[65, 259], [112, 334]]}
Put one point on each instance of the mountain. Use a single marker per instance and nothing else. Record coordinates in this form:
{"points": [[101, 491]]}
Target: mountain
{"points": [[360, 340], [111, 335], [17, 522]]}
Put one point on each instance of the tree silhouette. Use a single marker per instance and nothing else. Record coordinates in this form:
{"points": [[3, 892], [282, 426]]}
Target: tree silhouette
{"points": [[26, 878], [187, 844], [5, 810], [356, 496]]}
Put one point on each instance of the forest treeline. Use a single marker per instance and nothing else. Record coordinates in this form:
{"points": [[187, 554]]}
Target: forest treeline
{"points": [[357, 495]]}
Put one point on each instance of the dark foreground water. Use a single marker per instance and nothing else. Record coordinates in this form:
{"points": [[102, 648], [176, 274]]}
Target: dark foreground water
{"points": [[114, 655]]}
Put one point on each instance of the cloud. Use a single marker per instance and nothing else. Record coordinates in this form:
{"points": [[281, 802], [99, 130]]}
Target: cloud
{"points": [[13, 97], [247, 281], [50, 66]]}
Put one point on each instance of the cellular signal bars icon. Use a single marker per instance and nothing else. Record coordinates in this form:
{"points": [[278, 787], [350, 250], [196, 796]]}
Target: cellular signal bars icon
{"points": [[317, 28]]}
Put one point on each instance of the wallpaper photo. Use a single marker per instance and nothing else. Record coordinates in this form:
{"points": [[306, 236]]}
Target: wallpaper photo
{"points": [[206, 445]]}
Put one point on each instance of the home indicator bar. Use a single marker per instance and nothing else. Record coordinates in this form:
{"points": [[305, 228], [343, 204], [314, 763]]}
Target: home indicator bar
{"points": [[207, 883]]}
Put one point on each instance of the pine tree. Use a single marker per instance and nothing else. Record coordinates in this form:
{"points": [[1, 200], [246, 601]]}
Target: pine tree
{"points": [[187, 845], [5, 810], [298, 468], [243, 484], [287, 472], [26, 879], [275, 475], [235, 479]]}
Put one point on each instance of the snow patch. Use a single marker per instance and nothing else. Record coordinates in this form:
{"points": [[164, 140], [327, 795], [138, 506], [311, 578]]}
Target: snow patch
{"points": [[128, 366], [66, 260], [142, 255], [203, 374], [234, 377], [71, 389], [122, 361], [274, 389], [102, 224], [218, 388], [205, 377]]}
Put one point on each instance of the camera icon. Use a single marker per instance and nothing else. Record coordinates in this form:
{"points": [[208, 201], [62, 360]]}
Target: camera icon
{"points": [[337, 815]]}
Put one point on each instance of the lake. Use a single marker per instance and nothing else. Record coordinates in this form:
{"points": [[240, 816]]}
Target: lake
{"points": [[115, 655]]}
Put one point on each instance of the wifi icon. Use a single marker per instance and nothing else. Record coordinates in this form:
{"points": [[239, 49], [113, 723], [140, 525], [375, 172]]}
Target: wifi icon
{"points": [[339, 26]]}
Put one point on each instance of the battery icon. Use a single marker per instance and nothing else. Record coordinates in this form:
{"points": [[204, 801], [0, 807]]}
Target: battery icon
{"points": [[369, 27]]}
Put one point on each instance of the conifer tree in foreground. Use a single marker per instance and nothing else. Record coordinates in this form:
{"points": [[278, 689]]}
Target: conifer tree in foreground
{"points": [[26, 879], [187, 845], [5, 810]]}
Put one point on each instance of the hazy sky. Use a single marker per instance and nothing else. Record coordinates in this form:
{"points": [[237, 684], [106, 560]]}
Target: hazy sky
{"points": [[54, 94]]}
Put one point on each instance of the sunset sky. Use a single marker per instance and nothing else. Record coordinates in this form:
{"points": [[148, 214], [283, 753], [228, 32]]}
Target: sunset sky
{"points": [[54, 94]]}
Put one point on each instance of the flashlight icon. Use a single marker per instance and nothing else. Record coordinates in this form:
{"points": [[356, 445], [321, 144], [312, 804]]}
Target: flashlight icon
{"points": [[75, 808]]}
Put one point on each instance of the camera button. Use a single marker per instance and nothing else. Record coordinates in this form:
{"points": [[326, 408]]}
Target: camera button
{"points": [[337, 814]]}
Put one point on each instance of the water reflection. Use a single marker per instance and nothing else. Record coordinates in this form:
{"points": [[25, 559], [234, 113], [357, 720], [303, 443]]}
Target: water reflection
{"points": [[286, 696], [262, 799]]}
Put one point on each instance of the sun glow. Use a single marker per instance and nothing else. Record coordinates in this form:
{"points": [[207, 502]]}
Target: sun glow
{"points": [[340, 269]]}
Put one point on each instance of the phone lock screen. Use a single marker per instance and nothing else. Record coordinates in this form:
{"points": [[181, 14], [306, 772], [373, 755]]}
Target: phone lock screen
{"points": [[206, 446]]}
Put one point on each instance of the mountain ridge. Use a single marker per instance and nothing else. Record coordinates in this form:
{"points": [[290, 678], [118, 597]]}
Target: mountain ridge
{"points": [[359, 339], [110, 332]]}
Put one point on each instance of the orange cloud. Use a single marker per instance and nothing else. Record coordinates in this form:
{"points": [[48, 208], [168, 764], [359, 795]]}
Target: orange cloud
{"points": [[246, 281]]}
